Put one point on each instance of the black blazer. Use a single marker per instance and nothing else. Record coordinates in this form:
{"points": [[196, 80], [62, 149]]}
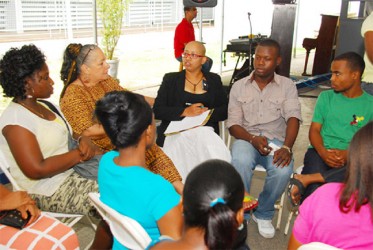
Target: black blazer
{"points": [[170, 101]]}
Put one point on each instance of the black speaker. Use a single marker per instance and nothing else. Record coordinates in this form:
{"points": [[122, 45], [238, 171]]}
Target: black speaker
{"points": [[200, 3], [284, 1]]}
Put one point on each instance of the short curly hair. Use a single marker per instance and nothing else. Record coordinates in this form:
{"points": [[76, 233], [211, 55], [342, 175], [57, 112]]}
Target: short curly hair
{"points": [[18, 64]]}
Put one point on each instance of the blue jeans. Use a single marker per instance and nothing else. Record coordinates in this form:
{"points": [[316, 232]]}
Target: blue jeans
{"points": [[245, 158]]}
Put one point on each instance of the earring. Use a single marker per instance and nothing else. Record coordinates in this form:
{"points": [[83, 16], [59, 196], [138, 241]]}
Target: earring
{"points": [[240, 227], [28, 96]]}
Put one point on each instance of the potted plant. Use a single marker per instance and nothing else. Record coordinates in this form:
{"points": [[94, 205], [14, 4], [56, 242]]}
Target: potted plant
{"points": [[111, 13]]}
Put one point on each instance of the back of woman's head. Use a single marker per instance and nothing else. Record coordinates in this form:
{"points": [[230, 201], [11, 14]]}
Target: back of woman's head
{"points": [[74, 56], [124, 117], [212, 195], [358, 189], [16, 66]]}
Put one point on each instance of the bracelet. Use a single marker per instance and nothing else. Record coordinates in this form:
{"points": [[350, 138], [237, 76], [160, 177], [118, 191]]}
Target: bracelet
{"points": [[287, 148], [78, 140], [252, 138]]}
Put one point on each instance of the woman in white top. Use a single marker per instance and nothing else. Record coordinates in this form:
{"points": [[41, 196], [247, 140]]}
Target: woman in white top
{"points": [[34, 139]]}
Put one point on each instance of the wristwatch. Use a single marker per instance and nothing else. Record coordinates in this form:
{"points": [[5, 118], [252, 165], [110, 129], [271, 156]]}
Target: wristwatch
{"points": [[287, 148]]}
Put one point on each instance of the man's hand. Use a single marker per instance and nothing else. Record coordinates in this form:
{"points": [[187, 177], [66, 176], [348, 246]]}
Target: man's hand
{"points": [[261, 144], [282, 157], [334, 158]]}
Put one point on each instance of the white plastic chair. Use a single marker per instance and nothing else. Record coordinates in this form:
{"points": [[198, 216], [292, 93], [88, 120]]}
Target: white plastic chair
{"points": [[69, 219], [127, 231], [317, 246]]}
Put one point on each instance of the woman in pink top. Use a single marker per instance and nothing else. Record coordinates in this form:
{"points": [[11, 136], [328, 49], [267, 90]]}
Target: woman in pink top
{"points": [[340, 214]]}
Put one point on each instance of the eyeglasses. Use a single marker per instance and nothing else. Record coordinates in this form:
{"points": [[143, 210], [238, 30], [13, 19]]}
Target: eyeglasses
{"points": [[193, 56], [91, 47]]}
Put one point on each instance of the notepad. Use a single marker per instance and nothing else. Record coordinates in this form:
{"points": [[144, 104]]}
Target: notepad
{"points": [[188, 123]]}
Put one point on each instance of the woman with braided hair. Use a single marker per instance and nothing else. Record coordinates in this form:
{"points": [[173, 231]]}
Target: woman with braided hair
{"points": [[85, 75]]}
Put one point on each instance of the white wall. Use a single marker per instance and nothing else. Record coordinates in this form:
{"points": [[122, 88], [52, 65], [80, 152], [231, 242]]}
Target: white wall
{"points": [[236, 18]]}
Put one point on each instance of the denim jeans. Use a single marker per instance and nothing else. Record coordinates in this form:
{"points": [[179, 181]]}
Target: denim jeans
{"points": [[245, 158]]}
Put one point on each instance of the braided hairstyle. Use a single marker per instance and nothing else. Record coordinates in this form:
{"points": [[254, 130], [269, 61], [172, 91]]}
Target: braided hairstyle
{"points": [[212, 195], [73, 58], [18, 64], [124, 116]]}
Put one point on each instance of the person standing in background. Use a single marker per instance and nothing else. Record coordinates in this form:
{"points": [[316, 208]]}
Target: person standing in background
{"points": [[367, 33], [184, 33]]}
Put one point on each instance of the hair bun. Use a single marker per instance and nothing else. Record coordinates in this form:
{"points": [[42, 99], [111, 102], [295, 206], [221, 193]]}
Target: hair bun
{"points": [[74, 50]]}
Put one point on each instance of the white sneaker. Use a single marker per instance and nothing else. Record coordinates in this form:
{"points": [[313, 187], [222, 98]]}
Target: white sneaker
{"points": [[265, 227]]}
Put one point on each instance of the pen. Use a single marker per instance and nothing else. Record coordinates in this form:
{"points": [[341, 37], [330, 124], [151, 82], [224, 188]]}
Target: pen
{"points": [[188, 104]]}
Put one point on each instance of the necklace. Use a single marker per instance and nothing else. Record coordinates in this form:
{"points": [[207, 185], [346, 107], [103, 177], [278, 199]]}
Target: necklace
{"points": [[194, 84], [32, 110]]}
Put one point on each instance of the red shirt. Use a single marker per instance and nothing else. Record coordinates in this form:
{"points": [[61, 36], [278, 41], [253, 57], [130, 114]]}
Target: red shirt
{"points": [[184, 33]]}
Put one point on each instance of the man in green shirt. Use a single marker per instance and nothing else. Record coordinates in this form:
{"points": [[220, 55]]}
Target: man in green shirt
{"points": [[338, 115]]}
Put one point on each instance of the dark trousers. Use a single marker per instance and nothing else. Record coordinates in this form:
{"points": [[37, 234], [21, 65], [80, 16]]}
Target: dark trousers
{"points": [[314, 164]]}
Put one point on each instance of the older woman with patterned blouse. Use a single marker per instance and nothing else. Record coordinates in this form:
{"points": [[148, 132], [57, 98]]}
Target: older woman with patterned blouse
{"points": [[85, 76]]}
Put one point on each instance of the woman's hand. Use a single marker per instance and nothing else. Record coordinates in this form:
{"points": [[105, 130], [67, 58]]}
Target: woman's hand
{"points": [[87, 148], [29, 210], [13, 200], [194, 110], [21, 201]]}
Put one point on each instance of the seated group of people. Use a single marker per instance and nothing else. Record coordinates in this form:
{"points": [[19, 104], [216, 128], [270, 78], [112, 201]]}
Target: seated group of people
{"points": [[54, 153], [103, 140]]}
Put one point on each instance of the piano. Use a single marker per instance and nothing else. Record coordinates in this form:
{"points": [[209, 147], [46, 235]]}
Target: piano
{"points": [[324, 45], [241, 48]]}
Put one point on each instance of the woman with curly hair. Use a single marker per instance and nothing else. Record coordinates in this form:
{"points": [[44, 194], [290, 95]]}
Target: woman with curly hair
{"points": [[85, 75], [34, 138]]}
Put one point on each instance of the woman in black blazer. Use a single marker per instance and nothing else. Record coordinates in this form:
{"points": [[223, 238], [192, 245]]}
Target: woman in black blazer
{"points": [[190, 93]]}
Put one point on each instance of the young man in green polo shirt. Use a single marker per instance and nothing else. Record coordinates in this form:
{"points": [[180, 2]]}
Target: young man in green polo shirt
{"points": [[338, 115]]}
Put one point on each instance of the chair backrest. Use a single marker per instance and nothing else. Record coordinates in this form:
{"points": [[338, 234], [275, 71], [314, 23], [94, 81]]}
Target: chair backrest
{"points": [[317, 246], [127, 231], [5, 168]]}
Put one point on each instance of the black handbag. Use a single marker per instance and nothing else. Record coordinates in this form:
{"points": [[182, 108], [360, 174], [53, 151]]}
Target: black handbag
{"points": [[13, 218]]}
